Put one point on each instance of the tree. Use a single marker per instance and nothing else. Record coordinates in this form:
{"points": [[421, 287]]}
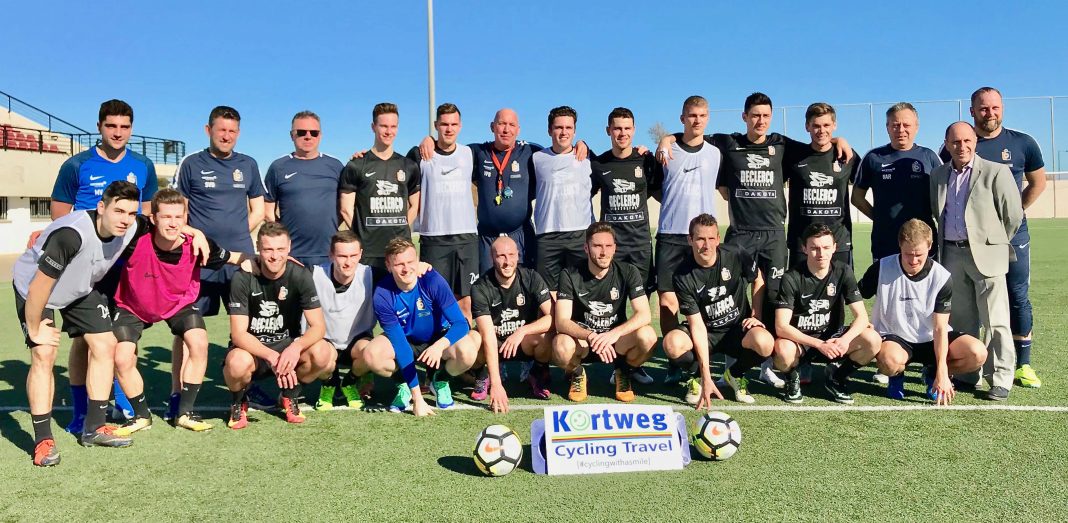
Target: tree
{"points": [[657, 131]]}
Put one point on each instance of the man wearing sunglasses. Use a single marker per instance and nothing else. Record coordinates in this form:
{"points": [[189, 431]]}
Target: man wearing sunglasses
{"points": [[299, 186]]}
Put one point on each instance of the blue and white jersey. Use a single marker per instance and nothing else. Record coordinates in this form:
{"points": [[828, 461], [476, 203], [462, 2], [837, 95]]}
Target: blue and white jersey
{"points": [[84, 176], [306, 194], [218, 190], [900, 183]]}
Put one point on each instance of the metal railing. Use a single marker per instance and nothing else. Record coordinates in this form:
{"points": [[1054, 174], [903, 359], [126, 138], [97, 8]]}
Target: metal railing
{"points": [[863, 124], [159, 150], [53, 123], [36, 140]]}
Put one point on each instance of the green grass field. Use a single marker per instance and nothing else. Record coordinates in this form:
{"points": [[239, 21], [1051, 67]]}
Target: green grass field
{"points": [[795, 464]]}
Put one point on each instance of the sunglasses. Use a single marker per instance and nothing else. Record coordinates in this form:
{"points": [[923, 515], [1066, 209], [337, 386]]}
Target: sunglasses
{"points": [[302, 132]]}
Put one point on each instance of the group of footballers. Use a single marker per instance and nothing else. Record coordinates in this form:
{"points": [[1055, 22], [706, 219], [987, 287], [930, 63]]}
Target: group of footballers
{"points": [[508, 241]]}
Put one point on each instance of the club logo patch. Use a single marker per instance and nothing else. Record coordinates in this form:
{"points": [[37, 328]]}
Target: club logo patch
{"points": [[830, 289], [400, 175], [239, 176], [282, 293], [725, 274], [614, 293], [638, 172], [520, 300]]}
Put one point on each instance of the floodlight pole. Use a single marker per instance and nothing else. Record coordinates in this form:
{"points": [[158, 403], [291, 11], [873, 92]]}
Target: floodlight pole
{"points": [[430, 58]]}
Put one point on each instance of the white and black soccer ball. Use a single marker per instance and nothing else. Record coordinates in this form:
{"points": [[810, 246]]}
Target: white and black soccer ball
{"points": [[717, 436], [498, 450]]}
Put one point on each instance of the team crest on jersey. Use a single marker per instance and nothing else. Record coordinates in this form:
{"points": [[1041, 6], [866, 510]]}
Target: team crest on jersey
{"points": [[239, 176], [132, 178], [520, 300], [725, 274], [916, 167], [419, 304], [614, 293], [771, 150], [515, 166], [400, 175], [837, 167], [638, 172], [830, 289], [1006, 155], [282, 293]]}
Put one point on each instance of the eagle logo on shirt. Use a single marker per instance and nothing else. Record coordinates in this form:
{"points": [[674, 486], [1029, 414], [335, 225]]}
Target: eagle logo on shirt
{"points": [[268, 309], [600, 308], [755, 161], [386, 188], [820, 180], [623, 186]]}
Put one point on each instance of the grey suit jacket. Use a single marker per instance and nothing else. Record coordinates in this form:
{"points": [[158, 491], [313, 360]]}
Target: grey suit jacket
{"points": [[992, 213]]}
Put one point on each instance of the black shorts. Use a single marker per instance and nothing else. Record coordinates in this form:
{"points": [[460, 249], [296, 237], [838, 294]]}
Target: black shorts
{"points": [[418, 348], [922, 353], [727, 342], [557, 250], [215, 289], [344, 356], [672, 250], [263, 369], [641, 257], [845, 257], [814, 355], [88, 315], [128, 327], [768, 248], [455, 257]]}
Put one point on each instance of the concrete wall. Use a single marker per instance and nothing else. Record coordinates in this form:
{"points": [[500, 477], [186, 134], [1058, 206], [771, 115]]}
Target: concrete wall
{"points": [[16, 229]]}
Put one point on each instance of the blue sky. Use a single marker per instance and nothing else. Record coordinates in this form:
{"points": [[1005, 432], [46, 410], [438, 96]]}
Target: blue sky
{"points": [[174, 61]]}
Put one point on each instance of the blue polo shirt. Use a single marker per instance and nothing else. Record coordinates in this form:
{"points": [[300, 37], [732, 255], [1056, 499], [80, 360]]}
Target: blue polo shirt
{"points": [[514, 212], [218, 190], [1017, 150], [84, 176], [306, 194], [900, 182]]}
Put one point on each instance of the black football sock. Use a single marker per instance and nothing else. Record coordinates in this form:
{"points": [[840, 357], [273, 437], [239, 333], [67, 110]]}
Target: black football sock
{"points": [[845, 368], [747, 360], [239, 396], [684, 362], [140, 406], [42, 427], [293, 392], [96, 416], [188, 398]]}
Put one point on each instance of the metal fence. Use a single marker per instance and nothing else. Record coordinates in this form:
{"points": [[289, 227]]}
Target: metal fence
{"points": [[159, 150], [864, 124]]}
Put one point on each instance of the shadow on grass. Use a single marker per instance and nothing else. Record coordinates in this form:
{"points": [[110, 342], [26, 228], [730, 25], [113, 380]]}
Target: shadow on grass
{"points": [[460, 465], [11, 431]]}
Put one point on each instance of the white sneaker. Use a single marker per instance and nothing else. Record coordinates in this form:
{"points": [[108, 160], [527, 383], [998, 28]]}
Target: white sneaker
{"points": [[740, 386], [880, 378], [767, 374]]}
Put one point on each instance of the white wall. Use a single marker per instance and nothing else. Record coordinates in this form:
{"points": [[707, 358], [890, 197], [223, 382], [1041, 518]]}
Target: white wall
{"points": [[16, 229]]}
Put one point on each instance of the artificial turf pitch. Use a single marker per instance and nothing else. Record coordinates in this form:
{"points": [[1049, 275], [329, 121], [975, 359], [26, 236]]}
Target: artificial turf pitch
{"points": [[795, 464]]}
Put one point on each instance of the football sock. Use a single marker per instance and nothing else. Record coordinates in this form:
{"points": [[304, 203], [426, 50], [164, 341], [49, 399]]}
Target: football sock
{"points": [[188, 398], [746, 361], [121, 401], [846, 368], [1023, 352], [292, 393], [97, 414], [239, 396], [80, 398], [42, 427], [140, 406], [682, 362]]}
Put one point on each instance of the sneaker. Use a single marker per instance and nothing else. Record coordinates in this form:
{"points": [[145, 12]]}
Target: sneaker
{"points": [[962, 386], [1026, 377], [105, 436], [693, 391], [480, 391], [257, 399], [639, 375], [403, 400], [879, 377], [172, 407], [577, 389], [238, 416], [997, 394], [76, 425], [539, 381], [792, 390], [767, 374], [805, 372], [190, 421], [326, 397], [740, 386], [45, 453], [835, 388], [441, 390], [353, 398], [292, 410], [928, 373], [134, 425], [624, 390], [895, 387]]}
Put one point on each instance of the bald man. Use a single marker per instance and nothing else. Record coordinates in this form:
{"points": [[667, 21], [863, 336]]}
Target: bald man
{"points": [[978, 207], [511, 307], [503, 175]]}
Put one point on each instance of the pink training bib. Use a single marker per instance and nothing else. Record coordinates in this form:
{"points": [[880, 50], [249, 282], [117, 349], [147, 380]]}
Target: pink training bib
{"points": [[154, 290]]}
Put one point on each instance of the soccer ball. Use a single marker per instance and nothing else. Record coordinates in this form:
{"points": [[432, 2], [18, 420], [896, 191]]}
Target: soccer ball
{"points": [[498, 450], [717, 436]]}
